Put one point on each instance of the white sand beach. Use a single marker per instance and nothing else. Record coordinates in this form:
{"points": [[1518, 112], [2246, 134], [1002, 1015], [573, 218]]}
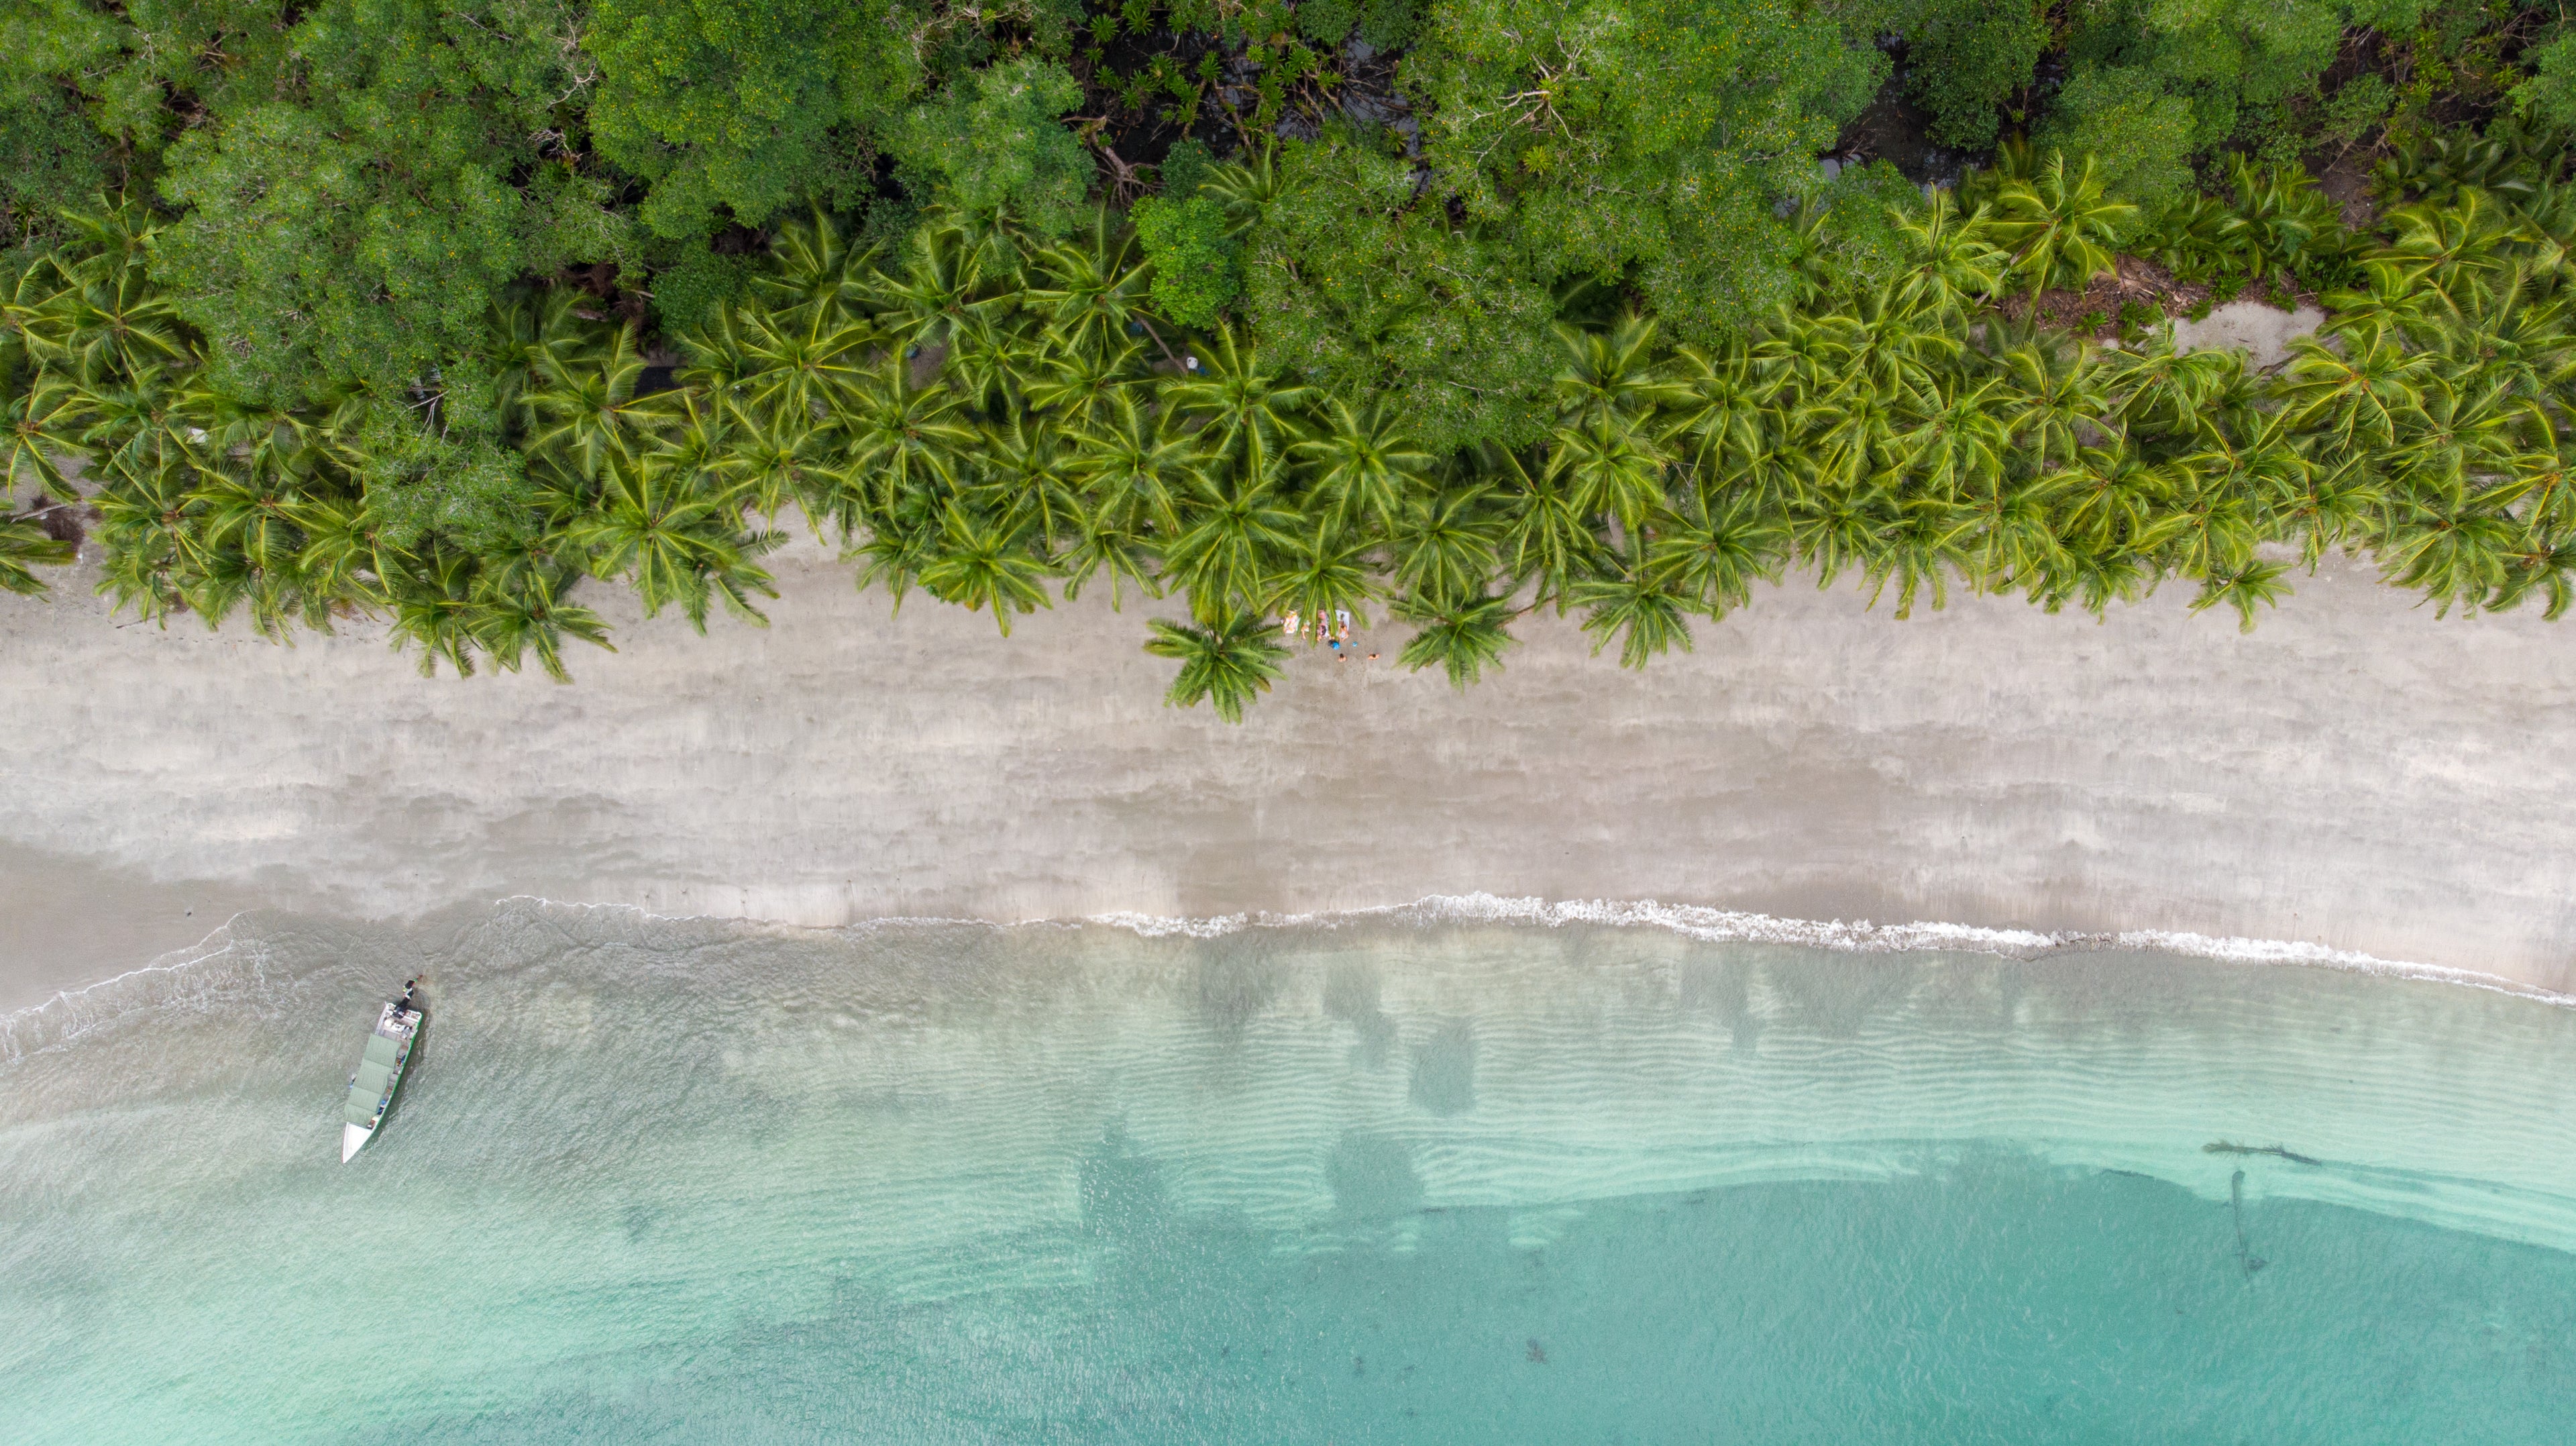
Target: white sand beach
{"points": [[2354, 773]]}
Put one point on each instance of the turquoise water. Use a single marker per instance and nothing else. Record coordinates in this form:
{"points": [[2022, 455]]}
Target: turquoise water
{"points": [[1387, 1181]]}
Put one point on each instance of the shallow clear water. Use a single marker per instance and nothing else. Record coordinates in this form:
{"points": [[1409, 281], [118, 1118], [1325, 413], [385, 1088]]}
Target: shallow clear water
{"points": [[1391, 1181]]}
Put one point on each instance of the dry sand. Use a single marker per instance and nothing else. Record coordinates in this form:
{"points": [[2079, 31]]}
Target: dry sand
{"points": [[2262, 330], [2354, 773]]}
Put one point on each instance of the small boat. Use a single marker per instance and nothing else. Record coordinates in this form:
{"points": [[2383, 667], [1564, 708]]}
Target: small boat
{"points": [[380, 1070]]}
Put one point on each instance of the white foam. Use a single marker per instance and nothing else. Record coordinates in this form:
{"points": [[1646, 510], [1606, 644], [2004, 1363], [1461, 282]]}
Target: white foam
{"points": [[1855, 936], [71, 1013], [75, 1012], [1713, 925]]}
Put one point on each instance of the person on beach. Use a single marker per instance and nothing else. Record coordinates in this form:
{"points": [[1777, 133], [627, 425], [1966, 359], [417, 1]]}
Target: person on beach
{"points": [[1290, 627]]}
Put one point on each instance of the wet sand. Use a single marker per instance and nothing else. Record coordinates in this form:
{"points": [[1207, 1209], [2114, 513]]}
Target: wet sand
{"points": [[2355, 773]]}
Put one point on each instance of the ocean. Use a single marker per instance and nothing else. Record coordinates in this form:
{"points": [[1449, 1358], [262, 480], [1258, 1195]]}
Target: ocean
{"points": [[1436, 1175]]}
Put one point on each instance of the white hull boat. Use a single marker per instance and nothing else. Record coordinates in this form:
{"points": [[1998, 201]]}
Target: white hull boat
{"points": [[380, 1071]]}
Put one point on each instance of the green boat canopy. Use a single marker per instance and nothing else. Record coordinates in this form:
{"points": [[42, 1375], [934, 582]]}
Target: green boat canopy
{"points": [[369, 1087]]}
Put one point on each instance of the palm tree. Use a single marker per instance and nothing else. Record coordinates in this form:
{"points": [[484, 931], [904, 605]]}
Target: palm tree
{"points": [[2213, 521], [1956, 265], [1612, 467], [31, 280], [719, 361], [1095, 285], [1610, 377], [1465, 635], [815, 271], [899, 548], [2014, 523], [2060, 224], [1325, 570], [1229, 662], [991, 365], [2244, 587], [899, 441], [1919, 552], [1837, 527], [1234, 528], [520, 607], [941, 285], [2095, 575], [255, 514], [2164, 389], [348, 552], [2538, 483], [24, 546], [1245, 186], [148, 524], [1107, 541], [44, 421], [1135, 465], [2459, 431], [2519, 335], [1713, 551], [2113, 498], [1854, 441], [1799, 358], [1887, 347], [1727, 414], [108, 317], [587, 409], [2454, 250], [1961, 443], [435, 607], [1238, 395], [2544, 563], [1077, 382], [1366, 469], [1025, 477], [1546, 538], [799, 363], [1444, 547], [769, 459], [2324, 507], [1634, 605], [676, 540], [981, 560], [2360, 395], [2457, 555], [2057, 393]]}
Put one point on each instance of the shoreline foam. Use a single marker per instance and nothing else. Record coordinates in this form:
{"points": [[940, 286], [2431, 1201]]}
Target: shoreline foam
{"points": [[1690, 921]]}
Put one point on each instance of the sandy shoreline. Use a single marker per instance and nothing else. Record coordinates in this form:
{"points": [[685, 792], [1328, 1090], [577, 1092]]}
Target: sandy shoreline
{"points": [[2354, 774]]}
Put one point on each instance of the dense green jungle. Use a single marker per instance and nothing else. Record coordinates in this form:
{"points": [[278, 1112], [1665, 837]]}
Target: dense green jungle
{"points": [[439, 311]]}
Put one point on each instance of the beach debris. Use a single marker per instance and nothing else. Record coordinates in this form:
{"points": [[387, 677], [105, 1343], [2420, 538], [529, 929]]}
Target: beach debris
{"points": [[2222, 1147], [2246, 1259]]}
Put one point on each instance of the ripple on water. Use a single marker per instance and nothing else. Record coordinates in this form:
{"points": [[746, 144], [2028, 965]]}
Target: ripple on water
{"points": [[962, 1161]]}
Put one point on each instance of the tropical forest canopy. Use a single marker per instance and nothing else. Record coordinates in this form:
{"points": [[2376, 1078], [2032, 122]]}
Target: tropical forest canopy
{"points": [[437, 310]]}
